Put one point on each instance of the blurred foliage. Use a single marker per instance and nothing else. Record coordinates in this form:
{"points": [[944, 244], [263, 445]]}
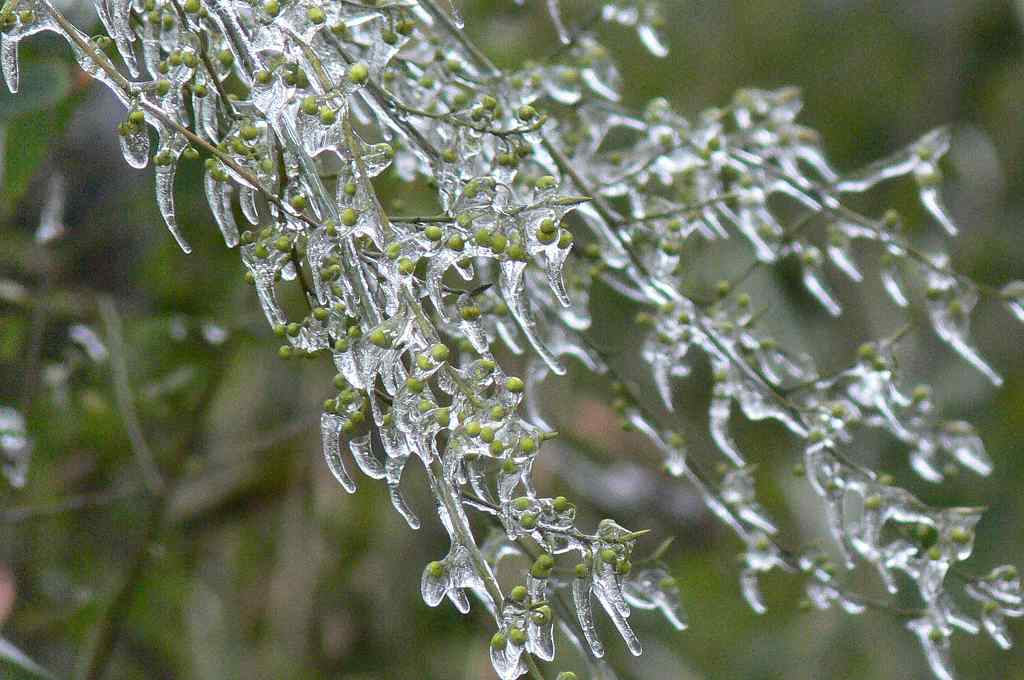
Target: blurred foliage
{"points": [[260, 566]]}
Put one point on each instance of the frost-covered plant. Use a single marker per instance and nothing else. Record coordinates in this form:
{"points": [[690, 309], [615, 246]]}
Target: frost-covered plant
{"points": [[544, 185]]}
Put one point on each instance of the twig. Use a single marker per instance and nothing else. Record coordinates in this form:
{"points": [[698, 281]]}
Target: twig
{"points": [[125, 400]]}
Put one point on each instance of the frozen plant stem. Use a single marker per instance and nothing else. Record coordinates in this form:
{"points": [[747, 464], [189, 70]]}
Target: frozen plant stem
{"points": [[298, 108]]}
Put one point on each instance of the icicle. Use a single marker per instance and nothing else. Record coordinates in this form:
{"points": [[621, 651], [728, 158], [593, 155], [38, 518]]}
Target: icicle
{"points": [[330, 435], [950, 317], [556, 19], [934, 638], [653, 588], [1013, 297], [928, 179], [718, 415], [9, 61], [581, 599], [166, 161], [810, 261], [218, 195]]}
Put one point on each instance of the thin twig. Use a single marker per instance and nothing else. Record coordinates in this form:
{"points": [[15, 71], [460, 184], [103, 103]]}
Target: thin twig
{"points": [[125, 400]]}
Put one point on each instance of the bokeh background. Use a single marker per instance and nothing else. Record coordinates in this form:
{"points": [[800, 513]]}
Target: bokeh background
{"points": [[262, 567]]}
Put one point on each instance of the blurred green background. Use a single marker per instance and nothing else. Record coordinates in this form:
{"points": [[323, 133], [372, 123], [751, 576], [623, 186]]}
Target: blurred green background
{"points": [[262, 567]]}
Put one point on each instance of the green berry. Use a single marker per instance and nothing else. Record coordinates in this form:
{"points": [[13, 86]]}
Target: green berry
{"points": [[439, 352], [960, 535], [435, 569], [514, 384], [358, 73], [517, 636], [518, 594], [327, 115]]}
